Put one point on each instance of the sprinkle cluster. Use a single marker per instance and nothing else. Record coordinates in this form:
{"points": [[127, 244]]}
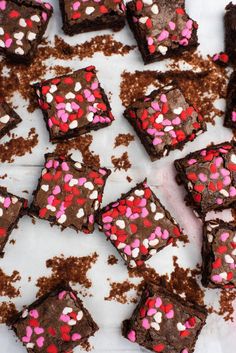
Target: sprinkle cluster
{"points": [[177, 30], [73, 102], [138, 225], [20, 25]]}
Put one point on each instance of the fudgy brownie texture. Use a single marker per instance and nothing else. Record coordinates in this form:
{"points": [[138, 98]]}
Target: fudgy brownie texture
{"points": [[9, 119], [12, 208], [164, 322], [138, 225], [56, 323], [219, 254], [161, 28], [164, 121], [230, 32], [209, 176], [73, 104], [22, 26], [69, 193], [230, 115], [92, 15]]}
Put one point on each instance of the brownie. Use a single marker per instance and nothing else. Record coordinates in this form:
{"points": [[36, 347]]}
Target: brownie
{"points": [[230, 114], [164, 322], [55, 323], [92, 15], [209, 176], [73, 104], [138, 225], [69, 193], [161, 28], [9, 119], [164, 120], [230, 32], [219, 254], [12, 208], [22, 26]]}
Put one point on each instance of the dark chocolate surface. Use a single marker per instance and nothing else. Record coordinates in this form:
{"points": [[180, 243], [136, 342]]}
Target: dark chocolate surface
{"points": [[230, 115], [9, 119], [230, 32]]}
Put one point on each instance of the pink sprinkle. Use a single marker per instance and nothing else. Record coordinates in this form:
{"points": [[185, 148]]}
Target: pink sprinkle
{"points": [[166, 122], [165, 234], [170, 314], [40, 342], [91, 219], [144, 212], [145, 324], [91, 98], [202, 177], [172, 133], [234, 116], [150, 40], [232, 191], [62, 294], [158, 302], [151, 131], [49, 164], [224, 236], [183, 42], [96, 119], [7, 202], [155, 106], [219, 201], [227, 181], [55, 164], [216, 278], [3, 5], [163, 35], [50, 124], [64, 318], [34, 313], [189, 24], [81, 181], [68, 177], [142, 202], [50, 199], [60, 106], [76, 5], [158, 231], [29, 331], [218, 161], [176, 121], [75, 106], [136, 243], [94, 85], [127, 250], [224, 172], [107, 219], [25, 339], [132, 336], [163, 98], [186, 33], [128, 212], [214, 176], [44, 16], [185, 350], [64, 117], [172, 25], [76, 337], [8, 43], [59, 214], [65, 166], [87, 93], [56, 190], [192, 161], [157, 141], [151, 312]]}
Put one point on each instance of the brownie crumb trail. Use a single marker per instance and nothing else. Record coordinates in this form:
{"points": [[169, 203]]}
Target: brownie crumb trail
{"points": [[4, 176], [7, 311], [119, 291], [18, 146], [121, 162], [123, 140], [227, 301], [71, 269], [129, 179], [81, 143], [7, 288], [112, 260]]}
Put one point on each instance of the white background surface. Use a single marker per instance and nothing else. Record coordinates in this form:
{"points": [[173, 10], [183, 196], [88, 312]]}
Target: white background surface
{"points": [[37, 243]]}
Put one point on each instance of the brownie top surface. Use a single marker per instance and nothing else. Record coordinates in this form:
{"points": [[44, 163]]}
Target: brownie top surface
{"points": [[69, 193], [210, 176], [73, 101], [138, 225], [79, 11], [164, 323], [162, 25], [20, 24], [166, 118], [55, 324], [221, 237], [6, 115]]}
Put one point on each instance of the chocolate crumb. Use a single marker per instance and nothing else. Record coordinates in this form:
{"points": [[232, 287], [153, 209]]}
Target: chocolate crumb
{"points": [[112, 260], [7, 311], [7, 288], [119, 290], [129, 179], [123, 140], [4, 176], [121, 162], [227, 298], [12, 241]]}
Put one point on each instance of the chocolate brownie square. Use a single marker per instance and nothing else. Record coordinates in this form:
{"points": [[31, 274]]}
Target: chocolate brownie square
{"points": [[209, 176], [22, 26], [230, 115], [138, 225], [69, 193], [92, 15], [164, 322], [73, 104], [165, 120], [230, 32], [9, 119], [219, 254], [161, 28], [57, 322]]}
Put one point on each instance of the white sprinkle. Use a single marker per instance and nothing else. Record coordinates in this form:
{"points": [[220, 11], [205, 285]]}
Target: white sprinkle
{"points": [[19, 35], [90, 116], [155, 325], [35, 18], [1, 212], [89, 10], [25, 313], [2, 44], [223, 275], [73, 124], [229, 259], [89, 185], [79, 315], [121, 246], [148, 2], [153, 252], [53, 89], [80, 213], [155, 9], [22, 22], [45, 187], [2, 199], [19, 51], [135, 253], [120, 223], [14, 200], [67, 310], [31, 36], [233, 252], [78, 165], [132, 264], [233, 158], [72, 322], [158, 317], [4, 119], [154, 242], [1, 31], [73, 182], [139, 192], [62, 219], [77, 86], [113, 237], [168, 128], [159, 119], [96, 205], [146, 243], [94, 195], [178, 111], [51, 208], [70, 95], [153, 207], [68, 107], [49, 97], [158, 216], [180, 327], [30, 345], [19, 42], [143, 19], [224, 193], [210, 238], [162, 49]]}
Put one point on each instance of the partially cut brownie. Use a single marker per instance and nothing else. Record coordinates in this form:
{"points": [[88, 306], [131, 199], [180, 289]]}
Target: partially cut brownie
{"points": [[138, 225], [230, 32], [230, 115], [165, 120], [164, 322], [22, 26], [73, 104], [12, 208], [219, 254], [56, 323], [9, 119], [209, 176], [161, 28], [69, 193], [92, 15]]}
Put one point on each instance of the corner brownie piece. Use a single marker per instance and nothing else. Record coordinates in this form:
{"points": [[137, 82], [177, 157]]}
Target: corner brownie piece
{"points": [[161, 28], [22, 26], [219, 254], [230, 32], [12, 208], [73, 104], [138, 225], [9, 119], [164, 322], [209, 176], [55, 323], [92, 15], [164, 121], [230, 115], [69, 193]]}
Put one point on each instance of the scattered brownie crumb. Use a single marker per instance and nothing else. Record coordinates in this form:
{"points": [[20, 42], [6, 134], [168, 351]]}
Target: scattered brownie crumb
{"points": [[12, 241], [33, 221], [121, 162], [7, 311], [85, 345], [18, 146], [123, 140], [112, 260], [81, 143], [119, 291], [7, 288], [29, 279], [4, 176], [227, 298], [60, 70], [25, 191], [71, 269], [129, 179]]}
